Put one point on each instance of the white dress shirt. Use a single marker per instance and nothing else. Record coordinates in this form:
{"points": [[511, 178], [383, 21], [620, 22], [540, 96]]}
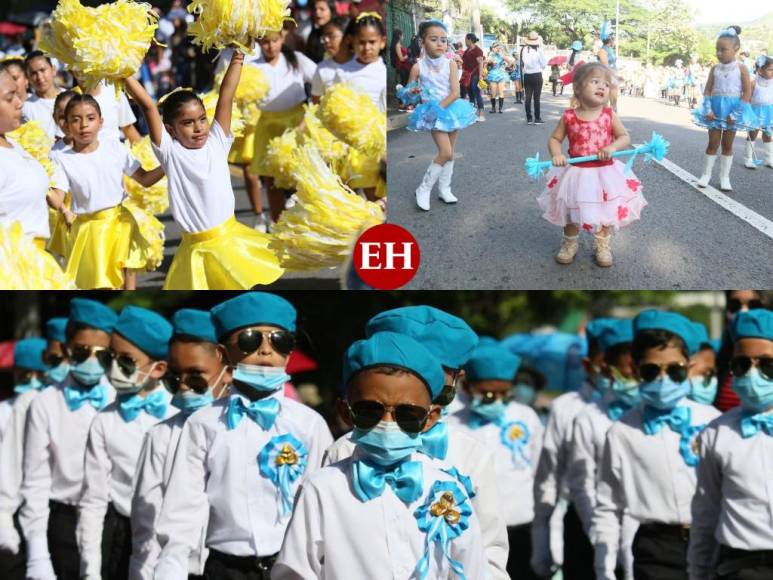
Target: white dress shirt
{"points": [[733, 504], [54, 448], [472, 459], [153, 470], [216, 478], [644, 474], [515, 481], [533, 60], [110, 466], [6, 407], [333, 534]]}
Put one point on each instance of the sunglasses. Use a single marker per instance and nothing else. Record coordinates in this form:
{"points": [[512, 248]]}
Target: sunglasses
{"points": [[81, 352], [250, 340], [677, 372], [126, 363], [53, 360], [734, 305], [448, 394], [740, 365], [489, 397], [197, 383], [367, 414]]}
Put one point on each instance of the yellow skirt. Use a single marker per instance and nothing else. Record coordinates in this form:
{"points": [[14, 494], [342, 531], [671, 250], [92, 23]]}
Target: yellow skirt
{"points": [[60, 233], [105, 242], [243, 148], [25, 265], [361, 171], [272, 124], [230, 256]]}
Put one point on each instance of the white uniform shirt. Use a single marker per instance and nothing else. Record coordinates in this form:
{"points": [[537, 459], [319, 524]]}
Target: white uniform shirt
{"points": [[335, 535], [733, 504], [6, 408], [368, 78], [54, 448], [644, 474], [475, 461], [110, 466], [153, 470], [515, 481], [533, 60], [200, 193], [23, 189], [94, 180], [287, 83], [325, 76], [215, 477], [42, 111], [116, 112]]}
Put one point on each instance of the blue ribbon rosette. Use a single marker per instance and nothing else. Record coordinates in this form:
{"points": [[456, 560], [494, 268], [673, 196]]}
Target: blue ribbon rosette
{"points": [[443, 517], [282, 461], [688, 444], [515, 436]]}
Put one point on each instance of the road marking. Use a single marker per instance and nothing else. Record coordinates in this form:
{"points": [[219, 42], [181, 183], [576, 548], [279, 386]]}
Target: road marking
{"points": [[761, 224]]}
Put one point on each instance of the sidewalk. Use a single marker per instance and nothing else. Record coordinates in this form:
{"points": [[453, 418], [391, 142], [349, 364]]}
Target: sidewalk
{"points": [[396, 119]]}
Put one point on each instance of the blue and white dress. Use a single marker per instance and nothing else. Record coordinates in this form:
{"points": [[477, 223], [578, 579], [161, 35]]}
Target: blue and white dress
{"points": [[496, 71], [762, 103], [435, 81], [725, 101]]}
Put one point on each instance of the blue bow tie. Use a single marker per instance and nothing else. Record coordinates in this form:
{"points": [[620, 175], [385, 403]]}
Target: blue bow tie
{"points": [[677, 418], [406, 480], [753, 424], [617, 409], [130, 406], [263, 412], [435, 441], [96, 396]]}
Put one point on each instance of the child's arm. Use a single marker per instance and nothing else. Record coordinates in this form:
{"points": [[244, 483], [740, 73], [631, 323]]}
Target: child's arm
{"points": [[225, 99], [414, 74], [131, 133], [746, 85], [147, 178], [454, 94], [554, 144], [621, 141], [149, 109], [709, 83]]}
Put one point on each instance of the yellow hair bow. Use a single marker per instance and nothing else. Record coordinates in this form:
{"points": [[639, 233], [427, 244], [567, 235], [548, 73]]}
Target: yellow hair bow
{"points": [[375, 15]]}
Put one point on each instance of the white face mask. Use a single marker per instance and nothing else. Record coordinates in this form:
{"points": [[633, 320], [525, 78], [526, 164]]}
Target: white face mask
{"points": [[134, 383]]}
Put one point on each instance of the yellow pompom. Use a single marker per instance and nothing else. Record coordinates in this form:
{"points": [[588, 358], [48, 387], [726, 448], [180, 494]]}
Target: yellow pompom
{"points": [[220, 23], [352, 117], [281, 160], [312, 131], [105, 42], [252, 89], [24, 266], [210, 104], [33, 139], [320, 229], [154, 199]]}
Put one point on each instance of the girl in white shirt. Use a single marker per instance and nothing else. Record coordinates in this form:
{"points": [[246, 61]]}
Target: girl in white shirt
{"points": [[40, 105], [109, 240], [287, 72], [338, 46], [216, 252]]}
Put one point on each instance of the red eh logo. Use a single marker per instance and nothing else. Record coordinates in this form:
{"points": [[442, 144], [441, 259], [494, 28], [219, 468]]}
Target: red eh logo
{"points": [[386, 256]]}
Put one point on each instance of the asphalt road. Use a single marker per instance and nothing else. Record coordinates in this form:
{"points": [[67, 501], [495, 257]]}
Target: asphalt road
{"points": [[495, 237]]}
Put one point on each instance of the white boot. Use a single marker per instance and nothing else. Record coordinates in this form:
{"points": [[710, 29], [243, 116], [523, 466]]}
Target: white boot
{"points": [[725, 163], [768, 147], [444, 183], [427, 183], [708, 165], [748, 157]]}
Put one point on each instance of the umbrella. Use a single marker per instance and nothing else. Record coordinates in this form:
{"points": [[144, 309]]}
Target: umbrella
{"points": [[557, 60], [31, 18], [10, 29]]}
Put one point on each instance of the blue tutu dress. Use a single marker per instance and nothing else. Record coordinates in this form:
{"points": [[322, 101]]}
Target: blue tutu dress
{"points": [[762, 103], [434, 78], [725, 101], [496, 72]]}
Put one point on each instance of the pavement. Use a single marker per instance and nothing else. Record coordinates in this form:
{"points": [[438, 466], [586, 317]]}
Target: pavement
{"points": [[495, 237]]}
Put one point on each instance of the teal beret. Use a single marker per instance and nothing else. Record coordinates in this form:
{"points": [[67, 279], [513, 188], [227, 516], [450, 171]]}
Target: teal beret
{"points": [[194, 323], [614, 331], [147, 330], [757, 323], [398, 350], [449, 338], [55, 329], [28, 354], [253, 309], [492, 362], [699, 337], [670, 321], [487, 341], [93, 314]]}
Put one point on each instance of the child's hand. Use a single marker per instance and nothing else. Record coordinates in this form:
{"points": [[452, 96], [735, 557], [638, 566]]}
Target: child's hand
{"points": [[730, 120], [416, 90], [559, 161], [605, 154], [710, 116], [68, 216]]}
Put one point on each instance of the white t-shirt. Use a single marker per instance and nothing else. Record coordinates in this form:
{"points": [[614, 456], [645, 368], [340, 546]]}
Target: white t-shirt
{"points": [[95, 180], [200, 192], [369, 78], [42, 111], [325, 76], [23, 189], [116, 112], [287, 83]]}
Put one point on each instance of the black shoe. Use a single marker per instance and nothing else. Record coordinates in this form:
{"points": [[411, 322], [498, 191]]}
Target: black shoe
{"points": [[539, 122], [493, 111], [529, 121]]}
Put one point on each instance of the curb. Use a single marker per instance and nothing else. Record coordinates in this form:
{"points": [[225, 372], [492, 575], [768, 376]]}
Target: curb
{"points": [[397, 121]]}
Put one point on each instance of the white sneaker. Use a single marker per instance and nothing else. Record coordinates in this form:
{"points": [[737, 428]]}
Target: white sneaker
{"points": [[259, 224], [291, 201]]}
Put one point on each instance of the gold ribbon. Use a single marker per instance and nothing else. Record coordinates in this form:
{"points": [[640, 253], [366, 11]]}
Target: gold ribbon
{"points": [[287, 456], [445, 507]]}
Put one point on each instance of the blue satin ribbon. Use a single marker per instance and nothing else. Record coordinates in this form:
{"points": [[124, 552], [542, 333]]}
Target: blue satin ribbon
{"points": [[463, 479], [753, 424], [369, 479], [617, 409], [678, 419], [282, 461], [130, 406], [515, 436], [443, 517], [96, 396], [476, 421], [435, 441], [263, 412]]}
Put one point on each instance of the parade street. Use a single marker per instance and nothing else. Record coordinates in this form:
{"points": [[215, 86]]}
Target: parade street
{"points": [[495, 236]]}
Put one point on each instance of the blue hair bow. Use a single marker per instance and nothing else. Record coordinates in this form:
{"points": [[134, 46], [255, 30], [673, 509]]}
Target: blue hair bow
{"points": [[761, 60], [727, 32]]}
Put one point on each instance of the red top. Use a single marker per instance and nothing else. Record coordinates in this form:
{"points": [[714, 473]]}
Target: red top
{"points": [[587, 137], [470, 59]]}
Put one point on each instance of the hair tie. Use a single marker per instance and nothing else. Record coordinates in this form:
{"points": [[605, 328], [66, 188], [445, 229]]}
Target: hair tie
{"points": [[177, 90], [762, 61], [375, 15], [727, 32]]}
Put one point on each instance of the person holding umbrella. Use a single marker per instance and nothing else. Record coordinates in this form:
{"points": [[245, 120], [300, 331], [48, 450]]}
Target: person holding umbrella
{"points": [[532, 62]]}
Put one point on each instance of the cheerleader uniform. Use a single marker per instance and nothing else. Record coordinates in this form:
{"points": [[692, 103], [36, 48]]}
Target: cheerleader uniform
{"points": [[110, 233], [283, 108], [496, 71], [593, 194], [762, 104], [216, 251]]}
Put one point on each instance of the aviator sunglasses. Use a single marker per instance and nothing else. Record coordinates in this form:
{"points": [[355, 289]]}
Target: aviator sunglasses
{"points": [[366, 414]]}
